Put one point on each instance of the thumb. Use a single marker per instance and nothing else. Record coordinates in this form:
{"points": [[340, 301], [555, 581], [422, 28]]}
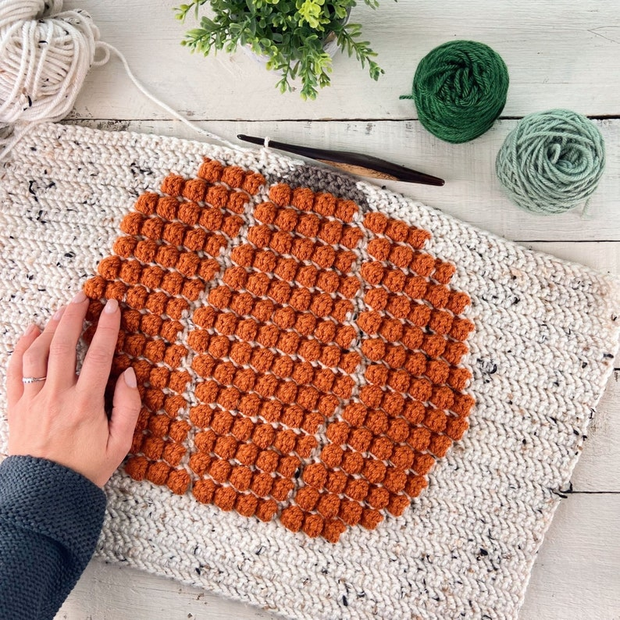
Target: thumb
{"points": [[125, 410]]}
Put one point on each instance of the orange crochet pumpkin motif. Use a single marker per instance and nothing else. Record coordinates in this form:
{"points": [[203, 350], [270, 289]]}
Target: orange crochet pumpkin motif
{"points": [[296, 358]]}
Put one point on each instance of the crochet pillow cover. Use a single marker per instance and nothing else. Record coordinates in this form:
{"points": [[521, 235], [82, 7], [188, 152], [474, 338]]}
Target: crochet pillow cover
{"points": [[353, 405]]}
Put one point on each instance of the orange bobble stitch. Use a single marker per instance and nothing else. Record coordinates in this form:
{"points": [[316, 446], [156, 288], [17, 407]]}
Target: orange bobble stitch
{"points": [[348, 286], [152, 228], [378, 498], [374, 471], [217, 196], [281, 489], [156, 303], [283, 367], [336, 482], [261, 484], [423, 463], [379, 249], [382, 448], [259, 236], [313, 525], [322, 305], [204, 490], [399, 306], [253, 182], [439, 445], [242, 428], [306, 445], [153, 448], [437, 295], [247, 453], [420, 389], [280, 194], [109, 267], [134, 344], [201, 415], [415, 287], [95, 308], [265, 260], [435, 419], [325, 204], [461, 329], [243, 255], [398, 430], [208, 268], [220, 470], [437, 371], [288, 466], [211, 218], [373, 349], [420, 314], [395, 356], [352, 462], [330, 356], [329, 506], [376, 222], [325, 331], [346, 210], [443, 272], [457, 302], [232, 225], [116, 290], [173, 405], [141, 367], [328, 281], [150, 324], [433, 345], [376, 298], [456, 427], [398, 504], [370, 518], [308, 225], [173, 185], [280, 291], [307, 275], [422, 264], [463, 404], [332, 455], [331, 232], [310, 350], [342, 310], [281, 242], [402, 457], [395, 280], [246, 505], [174, 354], [158, 473], [173, 453], [167, 207], [401, 256], [225, 497], [343, 387], [303, 198], [351, 236], [324, 256], [350, 512], [292, 518], [458, 378], [237, 201], [286, 392], [376, 373], [286, 269], [372, 272], [370, 322], [155, 350], [419, 439], [235, 277], [194, 190], [220, 297], [188, 213], [132, 223], [268, 461], [146, 203], [344, 260], [175, 307], [207, 391], [159, 377], [307, 497], [399, 380], [233, 176], [415, 485], [136, 467], [397, 230], [418, 237], [338, 432], [215, 244], [360, 439], [154, 399], [392, 330], [241, 478], [302, 249]]}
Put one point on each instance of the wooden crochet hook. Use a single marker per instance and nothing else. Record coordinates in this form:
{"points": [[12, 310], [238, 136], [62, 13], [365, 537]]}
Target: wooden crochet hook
{"points": [[356, 163]]}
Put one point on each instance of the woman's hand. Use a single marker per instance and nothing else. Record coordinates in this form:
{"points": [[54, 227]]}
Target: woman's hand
{"points": [[63, 418]]}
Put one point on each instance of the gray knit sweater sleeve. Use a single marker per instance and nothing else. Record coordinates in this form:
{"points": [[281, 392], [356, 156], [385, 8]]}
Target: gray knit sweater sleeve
{"points": [[50, 520]]}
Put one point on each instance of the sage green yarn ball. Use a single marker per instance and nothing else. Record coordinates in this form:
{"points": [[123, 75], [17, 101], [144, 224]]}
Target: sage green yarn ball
{"points": [[551, 161], [459, 89]]}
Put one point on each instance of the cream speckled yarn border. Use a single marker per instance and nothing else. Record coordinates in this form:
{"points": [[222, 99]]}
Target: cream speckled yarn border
{"points": [[546, 336]]}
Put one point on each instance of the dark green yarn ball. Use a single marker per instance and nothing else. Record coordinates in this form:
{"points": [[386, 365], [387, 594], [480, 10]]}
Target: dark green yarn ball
{"points": [[459, 90]]}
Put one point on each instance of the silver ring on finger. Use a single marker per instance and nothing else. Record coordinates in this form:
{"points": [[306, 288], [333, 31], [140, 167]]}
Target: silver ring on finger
{"points": [[33, 379]]}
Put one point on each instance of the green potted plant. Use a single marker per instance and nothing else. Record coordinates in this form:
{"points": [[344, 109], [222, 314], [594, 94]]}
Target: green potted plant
{"points": [[292, 35]]}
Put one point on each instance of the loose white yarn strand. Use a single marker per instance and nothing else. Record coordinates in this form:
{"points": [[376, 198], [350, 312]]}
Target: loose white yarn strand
{"points": [[45, 55]]}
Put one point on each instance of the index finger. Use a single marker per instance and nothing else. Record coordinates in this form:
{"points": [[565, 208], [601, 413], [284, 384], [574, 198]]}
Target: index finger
{"points": [[98, 361]]}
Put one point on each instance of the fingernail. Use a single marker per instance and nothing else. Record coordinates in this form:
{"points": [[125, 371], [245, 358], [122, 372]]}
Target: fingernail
{"points": [[30, 329], [130, 377], [79, 298], [111, 306], [58, 314]]}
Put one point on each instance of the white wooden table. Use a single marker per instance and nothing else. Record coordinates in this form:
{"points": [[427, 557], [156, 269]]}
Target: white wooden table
{"points": [[559, 55]]}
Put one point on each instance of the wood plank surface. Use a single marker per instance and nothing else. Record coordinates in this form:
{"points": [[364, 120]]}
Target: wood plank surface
{"points": [[559, 55]]}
